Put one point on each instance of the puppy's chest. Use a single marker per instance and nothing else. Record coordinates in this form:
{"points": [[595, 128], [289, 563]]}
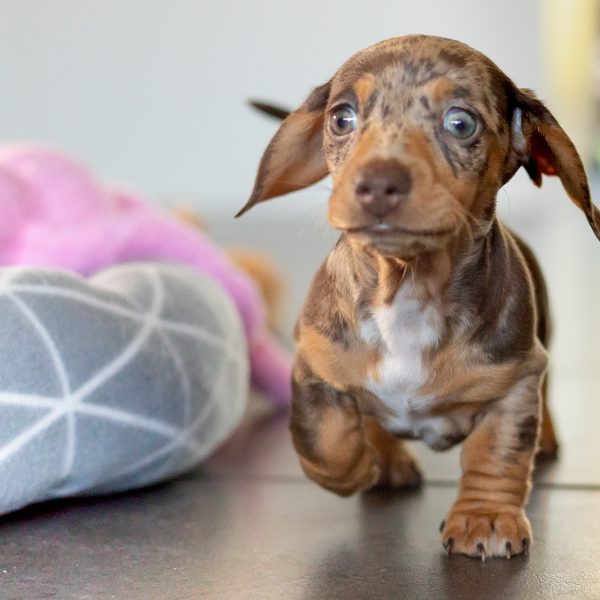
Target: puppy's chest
{"points": [[406, 333]]}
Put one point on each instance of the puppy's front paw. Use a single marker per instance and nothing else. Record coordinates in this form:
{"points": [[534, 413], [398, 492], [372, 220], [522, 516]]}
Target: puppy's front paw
{"points": [[482, 532]]}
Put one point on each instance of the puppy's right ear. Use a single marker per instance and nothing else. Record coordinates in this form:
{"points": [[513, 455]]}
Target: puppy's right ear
{"points": [[294, 158]]}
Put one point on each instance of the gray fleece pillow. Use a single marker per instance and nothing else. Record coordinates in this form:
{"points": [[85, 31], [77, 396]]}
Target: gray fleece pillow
{"points": [[114, 382]]}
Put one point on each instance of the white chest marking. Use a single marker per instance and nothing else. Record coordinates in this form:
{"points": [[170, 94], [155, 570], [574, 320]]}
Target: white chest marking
{"points": [[404, 330]]}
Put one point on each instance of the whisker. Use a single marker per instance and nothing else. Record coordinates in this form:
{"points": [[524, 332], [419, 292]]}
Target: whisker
{"points": [[464, 218], [503, 188], [475, 227]]}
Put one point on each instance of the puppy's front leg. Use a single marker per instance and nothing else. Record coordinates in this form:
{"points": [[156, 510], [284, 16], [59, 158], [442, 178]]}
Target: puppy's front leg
{"points": [[328, 434], [488, 517]]}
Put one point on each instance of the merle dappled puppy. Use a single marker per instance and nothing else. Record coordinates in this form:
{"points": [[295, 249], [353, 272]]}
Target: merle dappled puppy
{"points": [[429, 318]]}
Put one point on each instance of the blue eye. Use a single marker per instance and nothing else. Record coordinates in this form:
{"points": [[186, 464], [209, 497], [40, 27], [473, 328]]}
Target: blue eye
{"points": [[460, 123], [343, 120]]}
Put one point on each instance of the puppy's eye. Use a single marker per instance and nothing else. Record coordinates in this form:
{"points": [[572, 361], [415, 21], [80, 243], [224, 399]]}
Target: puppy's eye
{"points": [[460, 123], [343, 120]]}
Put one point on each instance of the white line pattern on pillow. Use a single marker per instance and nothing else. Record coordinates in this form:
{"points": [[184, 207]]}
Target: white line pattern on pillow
{"points": [[203, 314]]}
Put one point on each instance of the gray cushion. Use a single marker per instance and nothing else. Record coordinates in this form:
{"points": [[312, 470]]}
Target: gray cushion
{"points": [[115, 382]]}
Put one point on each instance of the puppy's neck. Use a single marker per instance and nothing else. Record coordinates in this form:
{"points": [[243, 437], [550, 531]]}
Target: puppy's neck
{"points": [[373, 279]]}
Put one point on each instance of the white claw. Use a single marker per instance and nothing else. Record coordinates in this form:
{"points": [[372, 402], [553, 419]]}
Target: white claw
{"points": [[481, 552]]}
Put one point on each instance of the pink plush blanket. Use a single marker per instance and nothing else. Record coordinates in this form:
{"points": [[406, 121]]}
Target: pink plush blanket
{"points": [[56, 214]]}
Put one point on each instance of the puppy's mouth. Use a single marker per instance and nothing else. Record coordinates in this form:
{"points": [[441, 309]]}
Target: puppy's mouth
{"points": [[383, 230], [400, 242]]}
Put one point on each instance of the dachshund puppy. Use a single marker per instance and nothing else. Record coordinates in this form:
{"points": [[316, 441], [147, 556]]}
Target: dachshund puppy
{"points": [[429, 318]]}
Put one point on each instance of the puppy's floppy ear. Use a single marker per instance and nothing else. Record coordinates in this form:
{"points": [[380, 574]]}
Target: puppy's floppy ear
{"points": [[294, 158], [543, 148]]}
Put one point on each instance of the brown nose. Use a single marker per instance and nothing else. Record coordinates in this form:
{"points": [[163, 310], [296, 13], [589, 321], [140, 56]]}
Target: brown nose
{"points": [[381, 185]]}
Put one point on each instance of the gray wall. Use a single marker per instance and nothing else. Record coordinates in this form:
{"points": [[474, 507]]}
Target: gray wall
{"points": [[151, 93]]}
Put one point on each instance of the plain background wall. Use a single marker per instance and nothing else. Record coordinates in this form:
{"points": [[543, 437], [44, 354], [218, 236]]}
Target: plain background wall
{"points": [[152, 93]]}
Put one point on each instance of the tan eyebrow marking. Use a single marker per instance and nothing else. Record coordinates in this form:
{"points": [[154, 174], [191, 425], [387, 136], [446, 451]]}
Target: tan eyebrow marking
{"points": [[363, 87], [441, 88]]}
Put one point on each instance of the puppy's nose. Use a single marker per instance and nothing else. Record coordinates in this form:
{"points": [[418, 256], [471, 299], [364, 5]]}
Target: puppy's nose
{"points": [[381, 185]]}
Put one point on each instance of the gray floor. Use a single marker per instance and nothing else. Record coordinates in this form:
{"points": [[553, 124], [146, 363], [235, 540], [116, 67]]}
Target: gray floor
{"points": [[249, 525]]}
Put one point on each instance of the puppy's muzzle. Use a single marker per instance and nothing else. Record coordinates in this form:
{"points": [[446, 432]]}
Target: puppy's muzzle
{"points": [[380, 186]]}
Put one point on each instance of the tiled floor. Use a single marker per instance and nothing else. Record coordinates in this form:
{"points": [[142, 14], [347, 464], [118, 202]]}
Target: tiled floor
{"points": [[249, 525]]}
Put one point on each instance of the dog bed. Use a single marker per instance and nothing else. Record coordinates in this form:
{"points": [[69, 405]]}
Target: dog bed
{"points": [[113, 382]]}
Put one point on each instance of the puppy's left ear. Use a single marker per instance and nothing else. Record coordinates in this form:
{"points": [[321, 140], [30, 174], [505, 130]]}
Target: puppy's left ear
{"points": [[294, 158], [543, 148]]}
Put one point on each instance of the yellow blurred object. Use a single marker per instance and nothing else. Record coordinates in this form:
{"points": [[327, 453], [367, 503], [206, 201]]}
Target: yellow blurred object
{"points": [[268, 278], [187, 215], [569, 31]]}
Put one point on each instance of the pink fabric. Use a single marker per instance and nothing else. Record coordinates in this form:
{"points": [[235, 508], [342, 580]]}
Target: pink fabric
{"points": [[56, 215]]}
